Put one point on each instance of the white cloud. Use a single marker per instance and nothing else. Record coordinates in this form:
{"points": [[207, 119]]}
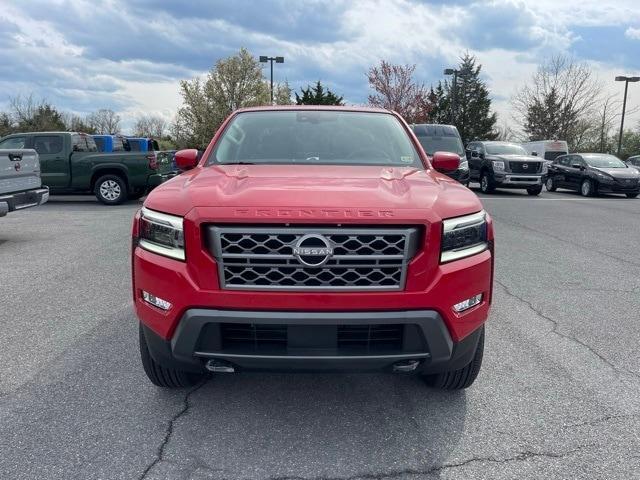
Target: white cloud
{"points": [[633, 33], [81, 76]]}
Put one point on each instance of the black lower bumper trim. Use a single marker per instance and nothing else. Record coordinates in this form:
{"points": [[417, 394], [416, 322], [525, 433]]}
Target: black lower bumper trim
{"points": [[185, 352]]}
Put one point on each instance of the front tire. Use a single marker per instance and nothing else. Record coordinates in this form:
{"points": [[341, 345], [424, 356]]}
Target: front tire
{"points": [[631, 195], [534, 191], [586, 188], [486, 184], [550, 185], [463, 377], [162, 376], [110, 190]]}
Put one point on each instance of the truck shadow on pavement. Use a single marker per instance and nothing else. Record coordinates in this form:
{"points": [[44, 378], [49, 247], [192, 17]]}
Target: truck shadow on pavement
{"points": [[97, 416], [251, 425]]}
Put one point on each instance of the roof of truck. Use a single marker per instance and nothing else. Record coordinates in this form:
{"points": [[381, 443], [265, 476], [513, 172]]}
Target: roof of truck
{"points": [[352, 108], [434, 130]]}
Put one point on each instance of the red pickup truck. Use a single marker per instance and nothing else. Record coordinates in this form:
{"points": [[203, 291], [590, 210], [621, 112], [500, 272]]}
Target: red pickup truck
{"points": [[312, 239]]}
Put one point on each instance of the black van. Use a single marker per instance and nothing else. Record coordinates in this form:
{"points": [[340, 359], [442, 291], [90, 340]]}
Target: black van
{"points": [[443, 138]]}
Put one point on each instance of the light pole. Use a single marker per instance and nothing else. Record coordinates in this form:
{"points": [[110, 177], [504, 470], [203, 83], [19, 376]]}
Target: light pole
{"points": [[626, 81], [265, 59], [454, 91]]}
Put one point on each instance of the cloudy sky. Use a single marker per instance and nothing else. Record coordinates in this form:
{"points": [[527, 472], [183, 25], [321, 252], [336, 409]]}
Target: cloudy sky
{"points": [[129, 55]]}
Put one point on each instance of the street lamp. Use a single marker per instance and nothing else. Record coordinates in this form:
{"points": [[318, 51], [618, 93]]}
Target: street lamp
{"points": [[451, 71], [265, 59], [626, 81]]}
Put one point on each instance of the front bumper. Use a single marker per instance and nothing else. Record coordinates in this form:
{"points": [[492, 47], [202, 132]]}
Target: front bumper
{"points": [[518, 180], [311, 342], [618, 187], [21, 200]]}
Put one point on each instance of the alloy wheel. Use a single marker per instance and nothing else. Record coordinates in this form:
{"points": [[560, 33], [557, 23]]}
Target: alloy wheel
{"points": [[110, 190]]}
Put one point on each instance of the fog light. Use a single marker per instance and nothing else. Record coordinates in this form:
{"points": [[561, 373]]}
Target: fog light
{"points": [[155, 301], [468, 303]]}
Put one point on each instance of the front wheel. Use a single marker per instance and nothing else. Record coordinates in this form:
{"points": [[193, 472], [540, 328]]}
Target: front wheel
{"points": [[550, 185], [110, 190], [586, 188], [162, 376], [534, 190], [631, 195], [463, 377], [486, 185]]}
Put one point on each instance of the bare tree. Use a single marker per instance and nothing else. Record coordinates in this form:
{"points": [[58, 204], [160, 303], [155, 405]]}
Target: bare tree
{"points": [[30, 115], [397, 90], [560, 102], [151, 126], [505, 133], [233, 82], [76, 123], [104, 121]]}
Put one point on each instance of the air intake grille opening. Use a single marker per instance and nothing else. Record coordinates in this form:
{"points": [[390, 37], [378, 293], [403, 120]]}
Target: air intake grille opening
{"points": [[342, 339], [257, 338], [370, 337]]}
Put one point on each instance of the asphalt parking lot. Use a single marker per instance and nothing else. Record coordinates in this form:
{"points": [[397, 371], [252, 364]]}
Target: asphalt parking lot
{"points": [[558, 396]]}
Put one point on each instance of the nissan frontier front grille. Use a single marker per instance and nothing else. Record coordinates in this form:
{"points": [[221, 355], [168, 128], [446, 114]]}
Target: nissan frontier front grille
{"points": [[308, 258]]}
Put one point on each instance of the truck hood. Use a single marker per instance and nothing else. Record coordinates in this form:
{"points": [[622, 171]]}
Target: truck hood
{"points": [[517, 158], [315, 187]]}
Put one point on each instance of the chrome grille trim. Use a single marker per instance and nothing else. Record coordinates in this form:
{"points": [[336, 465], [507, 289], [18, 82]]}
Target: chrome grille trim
{"points": [[261, 258]]}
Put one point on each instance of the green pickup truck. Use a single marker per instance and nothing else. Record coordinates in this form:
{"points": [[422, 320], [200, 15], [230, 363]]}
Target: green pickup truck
{"points": [[70, 163]]}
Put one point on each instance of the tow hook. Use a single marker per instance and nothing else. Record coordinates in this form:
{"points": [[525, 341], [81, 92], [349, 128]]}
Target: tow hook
{"points": [[406, 366], [218, 366]]}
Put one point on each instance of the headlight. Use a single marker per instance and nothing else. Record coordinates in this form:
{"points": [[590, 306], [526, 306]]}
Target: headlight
{"points": [[603, 177], [464, 165], [161, 233], [545, 167], [463, 237], [498, 166]]}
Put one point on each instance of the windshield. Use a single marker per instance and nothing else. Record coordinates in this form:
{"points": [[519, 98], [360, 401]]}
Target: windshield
{"points": [[505, 149], [604, 161], [311, 137], [432, 145]]}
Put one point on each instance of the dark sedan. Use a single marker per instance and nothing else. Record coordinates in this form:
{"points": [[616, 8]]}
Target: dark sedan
{"points": [[593, 173]]}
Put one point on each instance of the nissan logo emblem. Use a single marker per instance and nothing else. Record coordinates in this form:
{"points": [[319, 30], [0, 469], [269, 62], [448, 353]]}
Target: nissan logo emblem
{"points": [[525, 166], [312, 250]]}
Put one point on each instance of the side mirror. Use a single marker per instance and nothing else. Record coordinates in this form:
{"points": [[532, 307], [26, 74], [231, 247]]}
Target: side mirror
{"points": [[576, 165], [534, 154], [474, 154], [445, 161], [186, 159]]}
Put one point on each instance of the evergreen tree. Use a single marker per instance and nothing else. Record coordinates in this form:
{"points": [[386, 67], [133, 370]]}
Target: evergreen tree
{"points": [[472, 115], [541, 120], [440, 106], [317, 95]]}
